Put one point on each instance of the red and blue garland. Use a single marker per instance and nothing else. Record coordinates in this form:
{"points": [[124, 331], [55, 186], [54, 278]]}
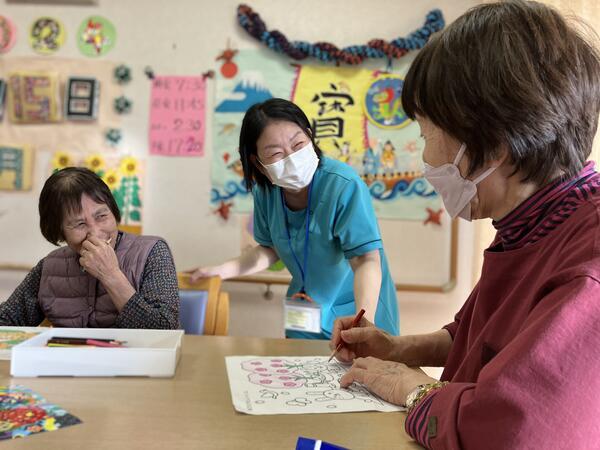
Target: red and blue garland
{"points": [[325, 51]]}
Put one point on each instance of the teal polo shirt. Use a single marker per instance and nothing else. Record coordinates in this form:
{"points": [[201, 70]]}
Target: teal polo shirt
{"points": [[342, 225]]}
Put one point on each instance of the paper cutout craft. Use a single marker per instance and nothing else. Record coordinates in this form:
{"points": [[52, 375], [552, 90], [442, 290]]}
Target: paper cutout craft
{"points": [[32, 97], [383, 103], [113, 136], [16, 165], [122, 74], [2, 98], [23, 413], [62, 160], [96, 36], [122, 105], [47, 35], [81, 98], [224, 210], [8, 34], [434, 217], [229, 69], [149, 72], [296, 385], [177, 125]]}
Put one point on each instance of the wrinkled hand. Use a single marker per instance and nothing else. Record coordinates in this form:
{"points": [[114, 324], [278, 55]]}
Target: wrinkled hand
{"points": [[364, 340], [98, 259], [205, 272], [389, 380]]}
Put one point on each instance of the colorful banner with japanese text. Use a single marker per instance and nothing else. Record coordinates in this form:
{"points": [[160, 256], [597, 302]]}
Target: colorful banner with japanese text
{"points": [[356, 116]]}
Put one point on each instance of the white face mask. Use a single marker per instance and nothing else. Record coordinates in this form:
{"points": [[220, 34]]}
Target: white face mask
{"points": [[296, 171], [456, 191]]}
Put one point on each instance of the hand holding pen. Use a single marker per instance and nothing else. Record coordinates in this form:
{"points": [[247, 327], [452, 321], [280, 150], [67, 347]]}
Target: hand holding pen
{"points": [[355, 337]]}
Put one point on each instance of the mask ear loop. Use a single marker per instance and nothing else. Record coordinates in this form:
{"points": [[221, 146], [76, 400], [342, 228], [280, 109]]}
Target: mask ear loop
{"points": [[484, 175], [481, 177], [460, 154]]}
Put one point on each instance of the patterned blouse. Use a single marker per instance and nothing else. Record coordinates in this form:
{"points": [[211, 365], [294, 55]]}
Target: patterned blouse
{"points": [[156, 305]]}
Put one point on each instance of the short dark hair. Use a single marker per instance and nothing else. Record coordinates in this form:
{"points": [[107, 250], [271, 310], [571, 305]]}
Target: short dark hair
{"points": [[61, 195], [513, 73], [255, 121]]}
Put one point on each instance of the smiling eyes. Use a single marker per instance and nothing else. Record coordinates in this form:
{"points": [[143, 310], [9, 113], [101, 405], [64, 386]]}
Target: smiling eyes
{"points": [[82, 224], [278, 152]]}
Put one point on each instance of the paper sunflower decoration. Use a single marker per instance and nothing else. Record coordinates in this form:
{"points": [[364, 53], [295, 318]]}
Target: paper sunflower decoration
{"points": [[112, 179], [122, 74], [128, 166], [122, 105], [95, 163], [62, 160]]}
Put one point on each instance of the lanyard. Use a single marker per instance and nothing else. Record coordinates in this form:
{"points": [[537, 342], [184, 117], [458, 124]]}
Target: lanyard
{"points": [[304, 266]]}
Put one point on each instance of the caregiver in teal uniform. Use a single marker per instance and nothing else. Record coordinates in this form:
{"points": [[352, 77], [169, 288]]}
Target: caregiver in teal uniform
{"points": [[315, 214]]}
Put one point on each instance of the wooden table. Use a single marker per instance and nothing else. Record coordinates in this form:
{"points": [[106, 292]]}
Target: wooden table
{"points": [[193, 410]]}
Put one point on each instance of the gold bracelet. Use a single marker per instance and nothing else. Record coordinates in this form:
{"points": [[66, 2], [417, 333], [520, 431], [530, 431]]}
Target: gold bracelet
{"points": [[424, 389]]}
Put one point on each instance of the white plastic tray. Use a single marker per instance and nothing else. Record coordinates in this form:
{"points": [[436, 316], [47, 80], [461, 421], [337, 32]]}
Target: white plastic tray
{"points": [[151, 353]]}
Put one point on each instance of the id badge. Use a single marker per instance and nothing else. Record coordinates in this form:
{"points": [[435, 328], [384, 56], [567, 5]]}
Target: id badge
{"points": [[302, 315]]}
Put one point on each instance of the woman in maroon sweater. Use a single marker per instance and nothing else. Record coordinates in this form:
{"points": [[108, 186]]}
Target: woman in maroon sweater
{"points": [[508, 99]]}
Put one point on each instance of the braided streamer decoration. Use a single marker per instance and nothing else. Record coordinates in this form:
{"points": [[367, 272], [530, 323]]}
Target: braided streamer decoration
{"points": [[325, 51]]}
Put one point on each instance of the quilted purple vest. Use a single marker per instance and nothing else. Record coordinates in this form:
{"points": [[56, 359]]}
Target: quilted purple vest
{"points": [[72, 298]]}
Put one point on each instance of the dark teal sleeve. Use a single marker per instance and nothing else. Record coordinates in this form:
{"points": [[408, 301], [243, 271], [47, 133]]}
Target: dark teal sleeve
{"points": [[355, 223], [262, 233]]}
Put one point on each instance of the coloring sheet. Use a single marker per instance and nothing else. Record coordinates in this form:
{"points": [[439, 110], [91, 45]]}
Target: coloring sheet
{"points": [[296, 385]]}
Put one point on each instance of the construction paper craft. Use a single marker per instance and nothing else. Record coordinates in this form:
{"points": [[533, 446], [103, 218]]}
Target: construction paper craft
{"points": [[177, 126], [383, 103], [113, 136], [96, 36], [33, 97], [122, 105], [229, 69], [47, 35], [296, 385], [8, 34], [81, 98], [23, 412], [435, 217], [16, 168], [122, 74]]}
